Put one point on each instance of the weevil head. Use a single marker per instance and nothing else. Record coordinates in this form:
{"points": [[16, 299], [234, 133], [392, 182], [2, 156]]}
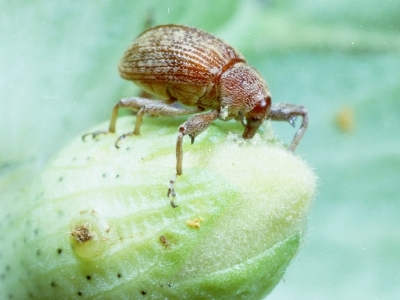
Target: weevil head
{"points": [[256, 117], [244, 95]]}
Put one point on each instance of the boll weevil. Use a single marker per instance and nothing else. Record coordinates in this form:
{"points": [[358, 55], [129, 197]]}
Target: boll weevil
{"points": [[207, 76]]}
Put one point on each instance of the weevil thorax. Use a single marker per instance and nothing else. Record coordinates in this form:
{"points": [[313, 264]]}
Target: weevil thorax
{"points": [[244, 94]]}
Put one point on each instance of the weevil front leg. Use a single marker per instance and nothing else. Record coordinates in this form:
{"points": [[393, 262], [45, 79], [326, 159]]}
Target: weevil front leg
{"points": [[192, 127], [142, 106], [289, 112]]}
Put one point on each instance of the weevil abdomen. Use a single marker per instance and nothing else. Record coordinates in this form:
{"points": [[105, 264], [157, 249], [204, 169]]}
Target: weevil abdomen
{"points": [[178, 62]]}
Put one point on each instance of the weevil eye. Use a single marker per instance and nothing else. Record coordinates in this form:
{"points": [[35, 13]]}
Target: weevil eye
{"points": [[260, 110]]}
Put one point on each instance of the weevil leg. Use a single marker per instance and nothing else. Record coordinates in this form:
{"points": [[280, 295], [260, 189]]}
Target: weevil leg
{"points": [[192, 127], [171, 192], [111, 128], [289, 112], [93, 134], [147, 106], [142, 106]]}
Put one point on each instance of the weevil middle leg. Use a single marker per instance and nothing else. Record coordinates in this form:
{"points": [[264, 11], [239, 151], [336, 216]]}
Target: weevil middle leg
{"points": [[289, 112], [192, 127]]}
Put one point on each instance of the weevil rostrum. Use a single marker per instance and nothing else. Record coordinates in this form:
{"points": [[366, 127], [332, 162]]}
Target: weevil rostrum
{"points": [[208, 77]]}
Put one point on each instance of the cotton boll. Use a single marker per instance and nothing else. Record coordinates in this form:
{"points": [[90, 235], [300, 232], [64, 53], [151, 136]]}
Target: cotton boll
{"points": [[97, 222]]}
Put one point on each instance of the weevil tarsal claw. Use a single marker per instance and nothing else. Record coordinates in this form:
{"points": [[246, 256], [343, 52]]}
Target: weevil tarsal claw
{"points": [[173, 203], [171, 193], [292, 121], [93, 134], [192, 137], [121, 138]]}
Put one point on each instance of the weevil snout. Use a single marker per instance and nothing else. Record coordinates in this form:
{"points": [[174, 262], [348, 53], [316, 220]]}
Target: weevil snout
{"points": [[256, 117]]}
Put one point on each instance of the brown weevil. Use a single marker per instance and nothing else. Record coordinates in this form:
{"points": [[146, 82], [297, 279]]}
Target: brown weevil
{"points": [[187, 65]]}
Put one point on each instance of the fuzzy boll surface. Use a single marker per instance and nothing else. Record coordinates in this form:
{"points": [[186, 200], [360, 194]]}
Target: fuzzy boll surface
{"points": [[97, 223]]}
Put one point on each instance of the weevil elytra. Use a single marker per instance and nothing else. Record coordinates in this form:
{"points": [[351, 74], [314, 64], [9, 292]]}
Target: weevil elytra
{"points": [[210, 78]]}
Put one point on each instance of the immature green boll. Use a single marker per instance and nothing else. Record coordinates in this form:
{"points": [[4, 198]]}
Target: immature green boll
{"points": [[95, 223]]}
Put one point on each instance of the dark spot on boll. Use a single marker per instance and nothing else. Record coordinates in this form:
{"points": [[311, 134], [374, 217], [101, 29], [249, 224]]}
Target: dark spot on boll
{"points": [[53, 284], [163, 239], [88, 277], [144, 292], [59, 250], [119, 275], [81, 234]]}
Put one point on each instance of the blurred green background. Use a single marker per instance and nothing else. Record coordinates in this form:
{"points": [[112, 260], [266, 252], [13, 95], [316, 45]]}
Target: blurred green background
{"points": [[341, 59]]}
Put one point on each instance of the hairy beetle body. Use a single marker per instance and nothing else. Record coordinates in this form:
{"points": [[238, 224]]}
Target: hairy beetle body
{"points": [[187, 65], [179, 63]]}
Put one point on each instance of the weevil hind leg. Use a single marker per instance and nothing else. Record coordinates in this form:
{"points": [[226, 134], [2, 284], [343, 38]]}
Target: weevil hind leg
{"points": [[192, 127], [111, 128], [289, 113], [147, 106], [142, 106]]}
